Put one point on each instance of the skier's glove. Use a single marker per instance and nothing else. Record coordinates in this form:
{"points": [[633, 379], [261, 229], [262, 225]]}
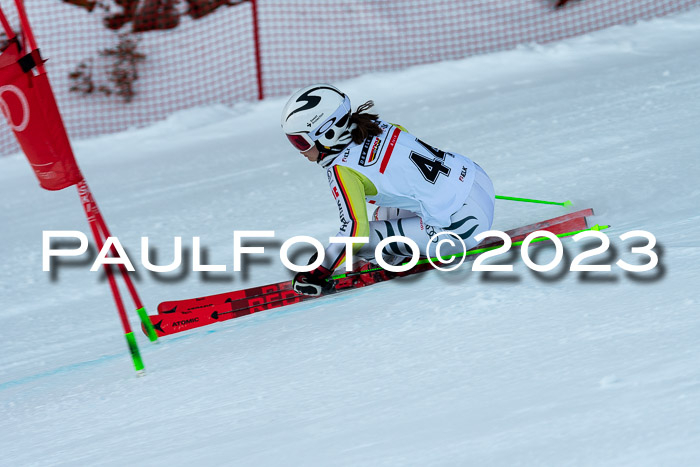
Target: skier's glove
{"points": [[313, 282]]}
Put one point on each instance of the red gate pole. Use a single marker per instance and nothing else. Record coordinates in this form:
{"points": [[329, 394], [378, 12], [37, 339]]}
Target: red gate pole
{"points": [[46, 130], [256, 40], [127, 279], [27, 30], [90, 209], [140, 309], [6, 26]]}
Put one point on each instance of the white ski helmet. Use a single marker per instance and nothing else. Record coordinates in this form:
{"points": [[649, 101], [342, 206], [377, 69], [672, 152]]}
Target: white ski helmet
{"points": [[317, 115]]}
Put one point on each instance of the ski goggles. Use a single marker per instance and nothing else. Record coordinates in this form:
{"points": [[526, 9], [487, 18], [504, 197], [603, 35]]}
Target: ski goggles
{"points": [[305, 140], [301, 141]]}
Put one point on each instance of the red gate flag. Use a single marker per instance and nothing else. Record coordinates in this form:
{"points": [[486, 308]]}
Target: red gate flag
{"points": [[29, 106]]}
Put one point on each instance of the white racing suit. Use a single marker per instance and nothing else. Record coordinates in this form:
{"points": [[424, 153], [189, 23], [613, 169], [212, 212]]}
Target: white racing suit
{"points": [[446, 191]]}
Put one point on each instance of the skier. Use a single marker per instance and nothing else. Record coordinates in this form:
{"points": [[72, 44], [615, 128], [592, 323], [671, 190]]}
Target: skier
{"points": [[421, 191]]}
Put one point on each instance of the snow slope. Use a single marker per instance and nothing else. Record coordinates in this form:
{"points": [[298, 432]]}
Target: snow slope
{"points": [[447, 369]]}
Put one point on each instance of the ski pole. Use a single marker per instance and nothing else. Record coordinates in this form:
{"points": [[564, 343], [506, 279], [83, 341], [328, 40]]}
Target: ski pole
{"points": [[539, 201]]}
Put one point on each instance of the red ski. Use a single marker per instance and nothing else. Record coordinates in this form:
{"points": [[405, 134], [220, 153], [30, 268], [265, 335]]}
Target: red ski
{"points": [[210, 300], [183, 315]]}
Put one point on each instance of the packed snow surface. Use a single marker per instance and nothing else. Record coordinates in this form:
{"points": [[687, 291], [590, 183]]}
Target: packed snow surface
{"points": [[464, 368]]}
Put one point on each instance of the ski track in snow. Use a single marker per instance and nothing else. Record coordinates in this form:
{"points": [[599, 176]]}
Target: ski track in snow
{"points": [[441, 369]]}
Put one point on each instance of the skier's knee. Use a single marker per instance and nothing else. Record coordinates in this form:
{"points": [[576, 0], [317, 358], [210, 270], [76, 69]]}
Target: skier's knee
{"points": [[384, 213]]}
